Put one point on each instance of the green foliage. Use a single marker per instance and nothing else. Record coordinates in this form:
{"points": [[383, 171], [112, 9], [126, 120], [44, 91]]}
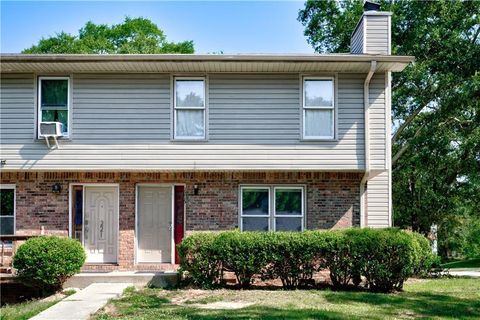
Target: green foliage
{"points": [[384, 257], [26, 310], [243, 253], [340, 258], [471, 246], [199, 257], [435, 107], [47, 262], [294, 257], [134, 35], [426, 260]]}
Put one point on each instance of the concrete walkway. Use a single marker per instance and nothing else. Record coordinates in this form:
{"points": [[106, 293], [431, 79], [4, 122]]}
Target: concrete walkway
{"points": [[465, 273], [81, 305]]}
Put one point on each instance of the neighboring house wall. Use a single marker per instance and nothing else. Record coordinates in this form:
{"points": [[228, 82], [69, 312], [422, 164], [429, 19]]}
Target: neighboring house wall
{"points": [[123, 121], [332, 199]]}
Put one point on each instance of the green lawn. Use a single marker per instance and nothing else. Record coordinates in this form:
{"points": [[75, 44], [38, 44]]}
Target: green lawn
{"points": [[25, 310], [28, 309], [463, 264], [457, 298]]}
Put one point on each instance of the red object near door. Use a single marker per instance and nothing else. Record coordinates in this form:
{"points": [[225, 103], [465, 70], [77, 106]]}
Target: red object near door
{"points": [[179, 218]]}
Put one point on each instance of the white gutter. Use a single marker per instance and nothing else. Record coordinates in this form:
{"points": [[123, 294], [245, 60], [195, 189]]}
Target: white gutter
{"points": [[366, 105]]}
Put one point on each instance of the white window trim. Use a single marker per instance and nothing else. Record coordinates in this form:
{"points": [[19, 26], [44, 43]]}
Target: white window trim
{"points": [[39, 104], [10, 187], [271, 204], [175, 108], [332, 107]]}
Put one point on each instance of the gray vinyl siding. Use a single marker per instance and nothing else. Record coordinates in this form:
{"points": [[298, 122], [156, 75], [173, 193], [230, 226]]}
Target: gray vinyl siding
{"points": [[377, 41], [17, 111], [377, 122], [124, 108], [378, 215], [123, 122], [254, 109], [357, 39]]}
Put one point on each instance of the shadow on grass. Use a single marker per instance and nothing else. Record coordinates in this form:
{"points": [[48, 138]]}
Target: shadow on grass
{"points": [[421, 303]]}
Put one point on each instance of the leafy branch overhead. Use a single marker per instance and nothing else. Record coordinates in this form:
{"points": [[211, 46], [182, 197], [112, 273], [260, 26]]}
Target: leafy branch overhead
{"points": [[134, 35]]}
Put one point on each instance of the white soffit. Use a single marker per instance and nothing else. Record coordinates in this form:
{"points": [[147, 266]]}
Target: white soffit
{"points": [[20, 63]]}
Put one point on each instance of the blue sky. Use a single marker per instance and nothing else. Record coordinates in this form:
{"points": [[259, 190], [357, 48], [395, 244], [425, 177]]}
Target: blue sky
{"points": [[231, 27]]}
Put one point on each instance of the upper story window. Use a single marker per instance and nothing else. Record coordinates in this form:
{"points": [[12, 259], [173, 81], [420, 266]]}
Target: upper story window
{"points": [[318, 108], [7, 209], [54, 101], [272, 208], [189, 108]]}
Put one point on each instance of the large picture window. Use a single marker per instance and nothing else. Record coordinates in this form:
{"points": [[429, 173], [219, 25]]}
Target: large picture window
{"points": [[318, 108], [189, 108], [272, 208], [7, 209], [54, 101]]}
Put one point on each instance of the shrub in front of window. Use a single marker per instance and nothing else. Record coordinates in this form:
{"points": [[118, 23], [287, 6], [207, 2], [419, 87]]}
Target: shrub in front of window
{"points": [[243, 253], [199, 260], [385, 258], [341, 259], [47, 262], [294, 257]]}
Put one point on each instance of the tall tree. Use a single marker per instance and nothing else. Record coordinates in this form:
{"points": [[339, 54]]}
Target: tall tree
{"points": [[134, 35], [435, 104]]}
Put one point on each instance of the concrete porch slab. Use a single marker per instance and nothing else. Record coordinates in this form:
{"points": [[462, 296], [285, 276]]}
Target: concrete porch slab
{"points": [[162, 279]]}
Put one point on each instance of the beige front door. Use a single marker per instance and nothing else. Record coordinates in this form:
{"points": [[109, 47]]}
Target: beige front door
{"points": [[100, 229], [154, 224]]}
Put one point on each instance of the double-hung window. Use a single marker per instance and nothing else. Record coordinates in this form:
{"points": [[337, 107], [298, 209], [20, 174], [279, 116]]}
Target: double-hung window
{"points": [[189, 108], [54, 101], [318, 108], [7, 207], [272, 208]]}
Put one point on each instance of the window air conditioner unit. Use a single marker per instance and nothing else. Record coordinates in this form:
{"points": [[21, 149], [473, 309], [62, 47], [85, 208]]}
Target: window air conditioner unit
{"points": [[51, 130]]}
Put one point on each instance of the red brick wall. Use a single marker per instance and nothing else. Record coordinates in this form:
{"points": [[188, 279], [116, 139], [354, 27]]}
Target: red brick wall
{"points": [[333, 199]]}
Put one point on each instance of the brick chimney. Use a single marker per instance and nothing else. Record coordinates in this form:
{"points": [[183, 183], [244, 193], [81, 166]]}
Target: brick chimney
{"points": [[372, 35]]}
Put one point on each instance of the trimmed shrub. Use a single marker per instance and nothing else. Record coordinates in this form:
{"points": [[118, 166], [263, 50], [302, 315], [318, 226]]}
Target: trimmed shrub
{"points": [[47, 262], [341, 259], [294, 257], [425, 260], [386, 257], [199, 259], [243, 253]]}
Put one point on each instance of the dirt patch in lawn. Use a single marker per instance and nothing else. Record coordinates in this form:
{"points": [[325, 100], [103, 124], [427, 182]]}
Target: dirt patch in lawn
{"points": [[208, 299], [190, 296], [111, 310]]}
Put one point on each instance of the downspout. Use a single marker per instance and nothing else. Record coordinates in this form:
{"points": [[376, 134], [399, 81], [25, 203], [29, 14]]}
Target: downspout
{"points": [[366, 129]]}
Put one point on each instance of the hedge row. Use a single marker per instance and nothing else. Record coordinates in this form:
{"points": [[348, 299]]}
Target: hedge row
{"points": [[385, 258]]}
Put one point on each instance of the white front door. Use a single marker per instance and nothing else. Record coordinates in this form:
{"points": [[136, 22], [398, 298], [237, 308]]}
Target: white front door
{"points": [[154, 224], [100, 229]]}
